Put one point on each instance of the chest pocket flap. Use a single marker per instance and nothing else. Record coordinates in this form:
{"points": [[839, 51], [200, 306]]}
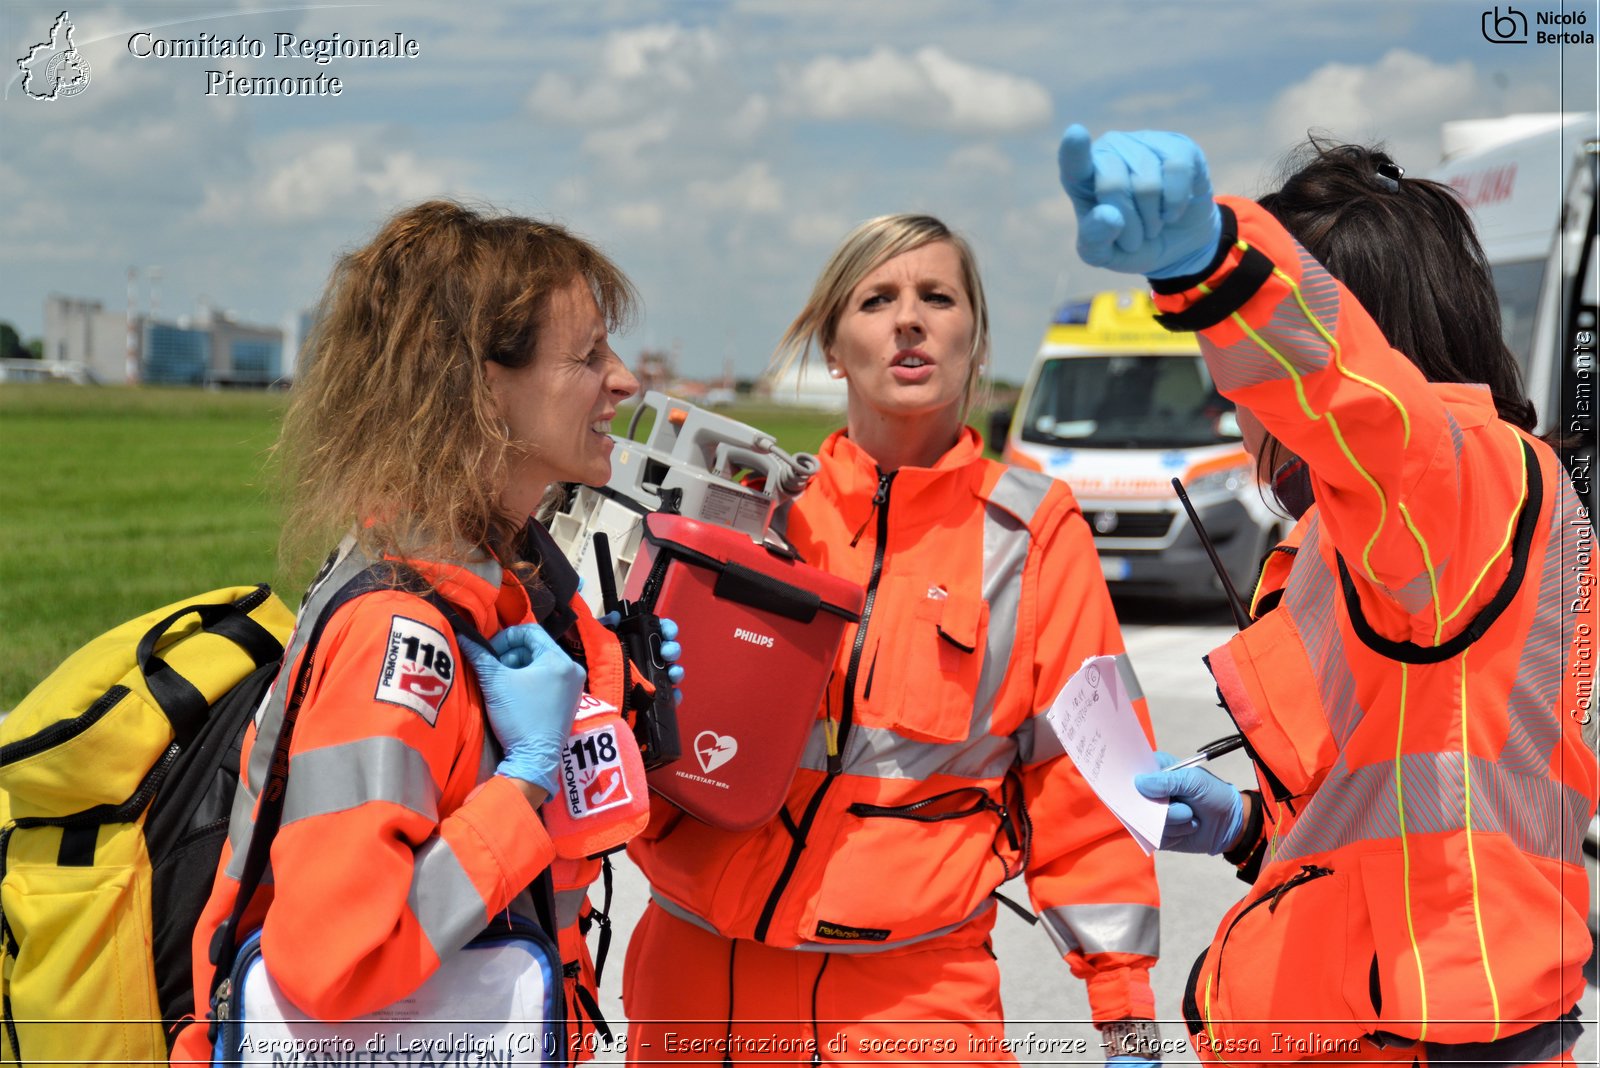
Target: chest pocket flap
{"points": [[929, 658]]}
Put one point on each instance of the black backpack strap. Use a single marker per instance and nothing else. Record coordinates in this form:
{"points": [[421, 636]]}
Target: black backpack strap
{"points": [[225, 943], [386, 576]]}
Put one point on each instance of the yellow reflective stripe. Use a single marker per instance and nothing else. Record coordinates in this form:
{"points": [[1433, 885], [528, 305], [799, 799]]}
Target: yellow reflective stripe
{"points": [[1333, 428], [1211, 1032], [1333, 347], [1405, 850], [1433, 578], [1255, 597], [1472, 857], [1511, 526]]}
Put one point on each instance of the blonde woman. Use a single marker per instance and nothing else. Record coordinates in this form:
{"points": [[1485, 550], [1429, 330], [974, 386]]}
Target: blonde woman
{"points": [[856, 925]]}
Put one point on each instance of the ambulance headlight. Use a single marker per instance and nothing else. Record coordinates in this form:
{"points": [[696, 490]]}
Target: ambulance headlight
{"points": [[1219, 482]]}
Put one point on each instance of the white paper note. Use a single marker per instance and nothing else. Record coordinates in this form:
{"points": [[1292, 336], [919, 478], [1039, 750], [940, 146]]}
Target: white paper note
{"points": [[1094, 719]]}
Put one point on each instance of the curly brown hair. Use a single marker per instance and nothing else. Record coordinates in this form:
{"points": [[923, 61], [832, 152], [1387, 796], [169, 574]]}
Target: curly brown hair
{"points": [[392, 429]]}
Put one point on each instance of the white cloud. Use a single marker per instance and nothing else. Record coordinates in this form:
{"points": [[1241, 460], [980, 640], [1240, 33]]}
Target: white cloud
{"points": [[667, 51], [926, 89], [980, 159], [752, 190], [618, 146], [638, 216], [639, 68], [1402, 99], [321, 181], [822, 229]]}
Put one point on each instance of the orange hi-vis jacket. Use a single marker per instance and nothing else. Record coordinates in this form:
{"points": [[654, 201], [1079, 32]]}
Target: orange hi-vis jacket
{"points": [[398, 841], [931, 775], [1414, 690]]}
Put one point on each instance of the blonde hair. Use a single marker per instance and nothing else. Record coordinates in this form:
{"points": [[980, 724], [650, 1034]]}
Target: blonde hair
{"points": [[392, 428], [864, 250]]}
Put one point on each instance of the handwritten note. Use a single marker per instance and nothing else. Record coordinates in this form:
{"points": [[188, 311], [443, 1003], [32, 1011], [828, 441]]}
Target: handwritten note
{"points": [[1094, 719]]}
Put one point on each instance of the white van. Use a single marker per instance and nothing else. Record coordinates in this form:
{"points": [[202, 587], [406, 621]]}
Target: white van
{"points": [[1116, 406], [1529, 182]]}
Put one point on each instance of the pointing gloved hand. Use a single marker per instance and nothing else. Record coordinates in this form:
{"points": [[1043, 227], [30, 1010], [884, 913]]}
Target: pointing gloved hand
{"points": [[671, 650], [1143, 201], [532, 688], [1204, 814]]}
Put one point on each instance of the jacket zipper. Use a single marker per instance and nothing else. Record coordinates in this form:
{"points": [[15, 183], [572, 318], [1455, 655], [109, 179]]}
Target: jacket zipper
{"points": [[880, 502], [1306, 874], [63, 730]]}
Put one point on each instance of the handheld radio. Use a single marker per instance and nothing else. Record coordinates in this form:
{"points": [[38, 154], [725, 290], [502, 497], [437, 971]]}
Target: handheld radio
{"points": [[656, 729]]}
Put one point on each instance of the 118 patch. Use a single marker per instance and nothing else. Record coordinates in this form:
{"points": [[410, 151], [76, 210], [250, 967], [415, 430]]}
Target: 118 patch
{"points": [[418, 669], [592, 777]]}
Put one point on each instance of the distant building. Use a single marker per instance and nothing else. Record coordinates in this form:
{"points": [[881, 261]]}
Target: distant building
{"points": [[215, 351], [82, 332], [811, 388]]}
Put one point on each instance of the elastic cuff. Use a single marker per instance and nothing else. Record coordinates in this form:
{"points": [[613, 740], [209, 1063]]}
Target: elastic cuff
{"points": [[1230, 234], [1120, 994]]}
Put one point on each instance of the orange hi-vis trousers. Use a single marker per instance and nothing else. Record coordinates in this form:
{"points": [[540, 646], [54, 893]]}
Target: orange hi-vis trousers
{"points": [[694, 997]]}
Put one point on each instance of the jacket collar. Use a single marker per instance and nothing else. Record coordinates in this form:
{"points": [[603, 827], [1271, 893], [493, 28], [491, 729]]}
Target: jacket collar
{"points": [[854, 473]]}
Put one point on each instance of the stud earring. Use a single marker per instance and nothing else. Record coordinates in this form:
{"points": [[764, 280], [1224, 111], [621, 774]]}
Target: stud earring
{"points": [[834, 372]]}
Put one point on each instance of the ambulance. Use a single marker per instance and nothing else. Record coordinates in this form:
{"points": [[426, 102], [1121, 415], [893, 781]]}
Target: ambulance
{"points": [[1116, 406], [1529, 182]]}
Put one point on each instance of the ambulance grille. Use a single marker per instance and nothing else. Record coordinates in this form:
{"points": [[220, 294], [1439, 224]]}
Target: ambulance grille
{"points": [[1133, 525]]}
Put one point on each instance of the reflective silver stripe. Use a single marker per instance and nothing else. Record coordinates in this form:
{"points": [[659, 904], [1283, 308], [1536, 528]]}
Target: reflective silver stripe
{"points": [[672, 908], [1104, 929], [569, 906], [338, 778], [1309, 600], [1006, 541], [269, 722], [1129, 677], [880, 753], [1533, 712], [1021, 492], [444, 900], [1538, 815], [1244, 363], [241, 824]]}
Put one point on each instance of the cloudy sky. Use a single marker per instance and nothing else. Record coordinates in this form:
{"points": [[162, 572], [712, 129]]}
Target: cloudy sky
{"points": [[718, 148]]}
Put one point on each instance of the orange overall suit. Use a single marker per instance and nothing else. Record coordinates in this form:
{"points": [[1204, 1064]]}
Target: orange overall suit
{"points": [[862, 913], [1413, 693], [398, 841]]}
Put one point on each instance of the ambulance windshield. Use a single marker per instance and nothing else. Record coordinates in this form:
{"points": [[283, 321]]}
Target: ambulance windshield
{"points": [[1128, 402]]}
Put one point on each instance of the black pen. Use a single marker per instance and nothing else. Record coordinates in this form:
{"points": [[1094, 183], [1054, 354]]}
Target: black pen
{"points": [[1210, 751]]}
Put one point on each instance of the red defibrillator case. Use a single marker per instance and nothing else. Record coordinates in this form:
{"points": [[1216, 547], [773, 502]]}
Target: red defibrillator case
{"points": [[759, 631]]}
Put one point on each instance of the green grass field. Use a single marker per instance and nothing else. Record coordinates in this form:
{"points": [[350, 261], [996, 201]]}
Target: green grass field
{"points": [[114, 502]]}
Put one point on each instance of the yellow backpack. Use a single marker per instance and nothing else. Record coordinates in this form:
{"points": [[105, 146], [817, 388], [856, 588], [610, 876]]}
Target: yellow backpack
{"points": [[117, 775]]}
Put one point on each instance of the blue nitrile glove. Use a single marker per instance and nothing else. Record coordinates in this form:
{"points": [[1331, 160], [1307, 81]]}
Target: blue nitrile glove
{"points": [[531, 688], [1143, 201], [670, 650], [1204, 814]]}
